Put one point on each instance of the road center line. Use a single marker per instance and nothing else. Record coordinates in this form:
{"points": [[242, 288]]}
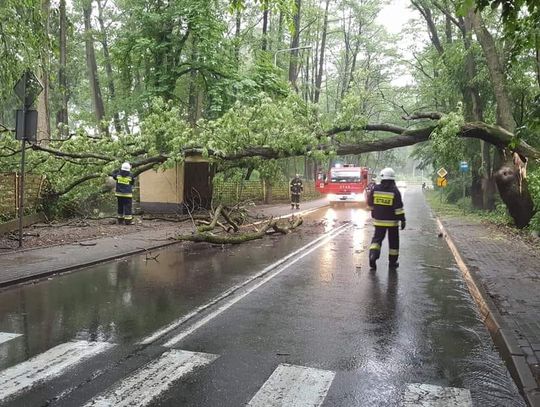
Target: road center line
{"points": [[301, 253], [176, 323]]}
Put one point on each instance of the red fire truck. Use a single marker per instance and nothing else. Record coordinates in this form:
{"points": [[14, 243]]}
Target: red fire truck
{"points": [[344, 183]]}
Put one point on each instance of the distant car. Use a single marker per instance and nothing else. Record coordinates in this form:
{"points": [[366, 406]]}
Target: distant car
{"points": [[401, 184]]}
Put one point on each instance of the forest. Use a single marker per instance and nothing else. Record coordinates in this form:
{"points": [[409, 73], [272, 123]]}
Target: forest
{"points": [[254, 84]]}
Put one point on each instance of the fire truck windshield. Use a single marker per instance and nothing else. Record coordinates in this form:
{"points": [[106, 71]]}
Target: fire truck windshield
{"points": [[345, 176]]}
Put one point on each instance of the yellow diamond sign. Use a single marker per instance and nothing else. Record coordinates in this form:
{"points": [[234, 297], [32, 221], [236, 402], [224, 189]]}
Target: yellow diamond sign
{"points": [[442, 172]]}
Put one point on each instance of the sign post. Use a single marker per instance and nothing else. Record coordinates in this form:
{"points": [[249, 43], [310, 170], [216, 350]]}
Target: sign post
{"points": [[27, 90], [463, 168], [442, 182]]}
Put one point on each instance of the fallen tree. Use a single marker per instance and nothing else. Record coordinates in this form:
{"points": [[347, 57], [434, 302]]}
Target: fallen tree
{"points": [[510, 177], [235, 234]]}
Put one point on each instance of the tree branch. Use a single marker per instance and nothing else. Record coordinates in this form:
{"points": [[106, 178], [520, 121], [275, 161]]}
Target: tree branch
{"points": [[60, 153], [423, 115]]}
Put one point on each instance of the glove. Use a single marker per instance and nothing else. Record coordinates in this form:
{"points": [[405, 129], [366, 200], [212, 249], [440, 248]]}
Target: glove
{"points": [[402, 224]]}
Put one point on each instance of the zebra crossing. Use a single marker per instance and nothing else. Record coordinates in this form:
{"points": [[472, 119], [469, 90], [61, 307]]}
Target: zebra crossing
{"points": [[288, 385], [7, 336], [46, 366]]}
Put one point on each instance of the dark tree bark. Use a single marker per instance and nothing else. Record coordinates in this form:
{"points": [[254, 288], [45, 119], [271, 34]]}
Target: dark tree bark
{"points": [[62, 114], [43, 105], [266, 16], [295, 43], [95, 89], [510, 177], [237, 32], [108, 66], [320, 70]]}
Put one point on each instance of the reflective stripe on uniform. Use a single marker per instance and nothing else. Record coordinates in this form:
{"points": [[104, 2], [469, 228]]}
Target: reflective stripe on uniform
{"points": [[400, 211], [385, 223], [383, 198], [121, 195], [124, 180], [393, 252], [375, 246]]}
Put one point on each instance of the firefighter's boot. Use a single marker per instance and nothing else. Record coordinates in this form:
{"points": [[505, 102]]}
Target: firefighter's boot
{"points": [[120, 221], [297, 206], [292, 206], [372, 262], [393, 265]]}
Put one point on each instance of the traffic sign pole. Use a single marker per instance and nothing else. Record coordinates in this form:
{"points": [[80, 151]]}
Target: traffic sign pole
{"points": [[27, 88], [21, 183]]}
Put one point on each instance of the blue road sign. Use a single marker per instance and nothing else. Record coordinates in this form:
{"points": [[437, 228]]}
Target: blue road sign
{"points": [[464, 166]]}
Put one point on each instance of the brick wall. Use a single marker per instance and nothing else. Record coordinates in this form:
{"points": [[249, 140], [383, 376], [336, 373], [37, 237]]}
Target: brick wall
{"points": [[9, 184], [229, 192]]}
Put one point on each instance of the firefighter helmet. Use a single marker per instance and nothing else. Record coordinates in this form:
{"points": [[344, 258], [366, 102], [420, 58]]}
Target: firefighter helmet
{"points": [[126, 167], [388, 174]]}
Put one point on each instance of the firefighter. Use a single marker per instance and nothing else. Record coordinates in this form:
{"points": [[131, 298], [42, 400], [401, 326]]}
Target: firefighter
{"points": [[296, 189], [387, 212], [124, 193]]}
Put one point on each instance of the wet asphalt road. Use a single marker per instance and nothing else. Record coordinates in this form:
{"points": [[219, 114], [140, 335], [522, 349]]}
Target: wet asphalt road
{"points": [[374, 333]]}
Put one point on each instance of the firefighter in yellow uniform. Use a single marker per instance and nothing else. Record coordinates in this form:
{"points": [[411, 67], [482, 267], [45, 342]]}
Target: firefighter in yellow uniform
{"points": [[387, 213], [124, 193]]}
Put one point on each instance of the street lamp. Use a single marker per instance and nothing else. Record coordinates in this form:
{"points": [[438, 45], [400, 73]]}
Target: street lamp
{"points": [[289, 49]]}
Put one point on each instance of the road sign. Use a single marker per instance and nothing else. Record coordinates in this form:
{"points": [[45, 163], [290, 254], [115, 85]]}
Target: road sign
{"points": [[464, 166], [28, 88], [442, 172], [26, 124], [442, 182]]}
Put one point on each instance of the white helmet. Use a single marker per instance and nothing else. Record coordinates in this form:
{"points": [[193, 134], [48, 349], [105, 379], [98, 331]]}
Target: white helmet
{"points": [[388, 174], [126, 166]]}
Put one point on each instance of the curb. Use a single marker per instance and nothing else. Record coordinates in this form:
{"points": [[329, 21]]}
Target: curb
{"points": [[39, 276], [502, 336]]}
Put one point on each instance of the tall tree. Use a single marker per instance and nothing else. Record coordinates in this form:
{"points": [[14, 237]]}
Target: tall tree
{"points": [[62, 113], [91, 63], [108, 64], [322, 49], [295, 44]]}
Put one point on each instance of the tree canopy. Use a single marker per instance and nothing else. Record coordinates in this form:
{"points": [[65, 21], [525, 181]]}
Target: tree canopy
{"points": [[244, 82]]}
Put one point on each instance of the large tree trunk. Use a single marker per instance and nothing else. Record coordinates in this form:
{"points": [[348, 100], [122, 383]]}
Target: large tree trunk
{"points": [[237, 32], [43, 107], [108, 66], [483, 184], [510, 177], [266, 15], [320, 70], [97, 99], [194, 97], [62, 114], [295, 43]]}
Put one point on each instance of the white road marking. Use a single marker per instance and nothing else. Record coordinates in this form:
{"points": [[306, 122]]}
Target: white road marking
{"points": [[47, 366], [234, 299], [294, 386], [6, 337], [176, 323], [428, 395], [148, 382]]}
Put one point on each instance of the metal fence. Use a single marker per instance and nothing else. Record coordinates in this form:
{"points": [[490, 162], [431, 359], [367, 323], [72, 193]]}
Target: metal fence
{"points": [[9, 193]]}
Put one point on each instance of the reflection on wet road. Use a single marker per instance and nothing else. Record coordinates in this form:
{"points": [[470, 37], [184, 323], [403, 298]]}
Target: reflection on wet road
{"points": [[318, 329]]}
